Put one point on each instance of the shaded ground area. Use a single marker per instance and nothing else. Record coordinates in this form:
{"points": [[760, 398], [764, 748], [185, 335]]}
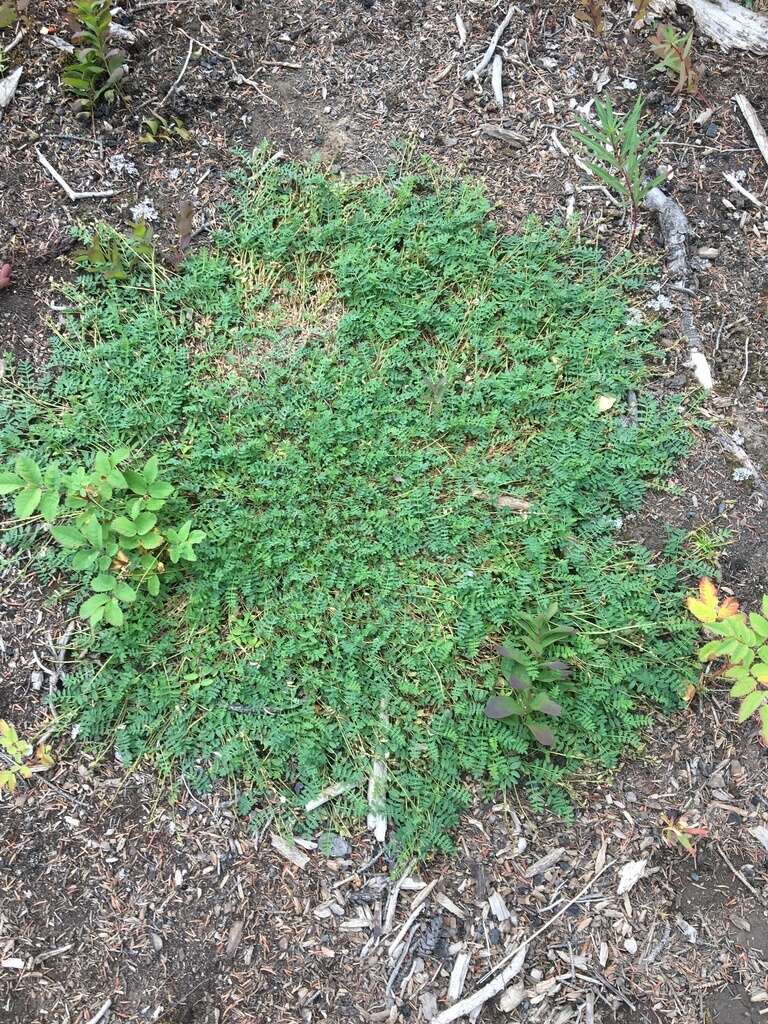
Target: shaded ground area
{"points": [[171, 908]]}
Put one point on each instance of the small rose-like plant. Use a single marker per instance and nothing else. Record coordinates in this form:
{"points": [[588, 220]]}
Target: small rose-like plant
{"points": [[19, 758], [107, 519], [742, 642]]}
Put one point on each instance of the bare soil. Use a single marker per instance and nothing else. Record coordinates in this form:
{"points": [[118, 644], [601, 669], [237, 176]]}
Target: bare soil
{"points": [[168, 905]]}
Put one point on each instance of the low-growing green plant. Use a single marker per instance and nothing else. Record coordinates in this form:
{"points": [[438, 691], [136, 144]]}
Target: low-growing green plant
{"points": [[98, 67], [330, 384], [676, 56], [677, 831], [156, 128], [525, 670], [18, 758], [743, 645], [108, 522], [621, 153], [114, 256]]}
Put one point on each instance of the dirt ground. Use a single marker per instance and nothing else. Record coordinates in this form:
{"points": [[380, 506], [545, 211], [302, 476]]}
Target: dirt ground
{"points": [[122, 902]]}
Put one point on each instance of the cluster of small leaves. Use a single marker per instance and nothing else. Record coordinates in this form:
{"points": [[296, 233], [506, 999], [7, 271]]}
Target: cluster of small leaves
{"points": [[526, 669], [742, 643], [156, 128], [114, 256], [675, 53], [98, 67], [18, 758], [620, 154], [677, 831], [329, 386], [108, 523]]}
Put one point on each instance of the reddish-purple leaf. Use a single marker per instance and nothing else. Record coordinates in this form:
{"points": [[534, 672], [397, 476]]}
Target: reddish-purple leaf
{"points": [[518, 683], [5, 275], [501, 707], [540, 732]]}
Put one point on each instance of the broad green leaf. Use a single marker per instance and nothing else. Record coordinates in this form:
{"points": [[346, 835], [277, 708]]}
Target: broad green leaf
{"points": [[67, 536], [113, 613], [152, 540], [144, 522], [7, 18], [135, 481], [27, 501], [502, 707], [103, 583], [760, 672], [764, 723], [743, 687], [29, 470], [750, 704], [95, 602], [159, 489], [91, 529], [543, 703], [10, 482], [153, 585], [84, 559], [123, 526], [125, 593], [764, 605], [49, 506], [713, 649], [151, 469], [759, 624]]}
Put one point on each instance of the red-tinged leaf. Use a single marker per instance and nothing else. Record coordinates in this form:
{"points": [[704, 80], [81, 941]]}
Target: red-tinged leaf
{"points": [[540, 732], [499, 708], [727, 608], [517, 682], [547, 706], [5, 276]]}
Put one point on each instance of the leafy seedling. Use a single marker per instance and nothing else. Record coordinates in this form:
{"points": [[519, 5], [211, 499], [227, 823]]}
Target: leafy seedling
{"points": [[106, 519], [679, 832], [676, 56], [525, 670], [742, 644], [620, 154], [20, 759], [156, 128], [98, 67]]}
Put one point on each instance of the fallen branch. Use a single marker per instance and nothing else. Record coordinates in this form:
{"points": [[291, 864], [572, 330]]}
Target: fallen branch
{"points": [[101, 1012], [70, 192], [675, 230], [738, 187], [479, 998], [487, 57], [741, 456], [181, 74], [753, 121], [730, 25], [498, 92], [515, 960]]}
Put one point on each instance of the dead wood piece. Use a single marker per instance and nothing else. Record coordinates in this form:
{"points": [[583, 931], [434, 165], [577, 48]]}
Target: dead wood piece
{"points": [[71, 194], [496, 70], [478, 999], [741, 456], [730, 25], [495, 131], [753, 122], [181, 74], [101, 1012], [487, 57], [735, 184], [675, 230]]}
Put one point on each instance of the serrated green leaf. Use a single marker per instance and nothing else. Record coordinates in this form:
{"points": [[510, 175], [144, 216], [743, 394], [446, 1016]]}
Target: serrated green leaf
{"points": [[743, 687], [29, 470], [67, 536], [49, 506], [750, 704], [113, 613], [10, 482], [27, 501], [144, 522], [103, 583], [123, 526], [94, 603], [759, 624]]}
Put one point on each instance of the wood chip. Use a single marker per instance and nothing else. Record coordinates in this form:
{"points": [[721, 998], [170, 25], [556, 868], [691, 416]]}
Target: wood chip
{"points": [[630, 874], [545, 862], [329, 793], [753, 121], [235, 935], [290, 851]]}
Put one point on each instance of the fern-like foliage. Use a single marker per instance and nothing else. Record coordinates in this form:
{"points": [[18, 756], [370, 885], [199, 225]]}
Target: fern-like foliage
{"points": [[340, 389]]}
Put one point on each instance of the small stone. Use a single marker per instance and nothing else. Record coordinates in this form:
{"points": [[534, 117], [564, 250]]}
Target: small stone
{"points": [[157, 942], [36, 678], [708, 253], [712, 130], [630, 945], [537, 974]]}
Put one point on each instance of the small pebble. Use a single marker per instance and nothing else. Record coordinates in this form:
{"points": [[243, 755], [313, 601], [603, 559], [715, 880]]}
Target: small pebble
{"points": [[36, 678], [708, 252]]}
